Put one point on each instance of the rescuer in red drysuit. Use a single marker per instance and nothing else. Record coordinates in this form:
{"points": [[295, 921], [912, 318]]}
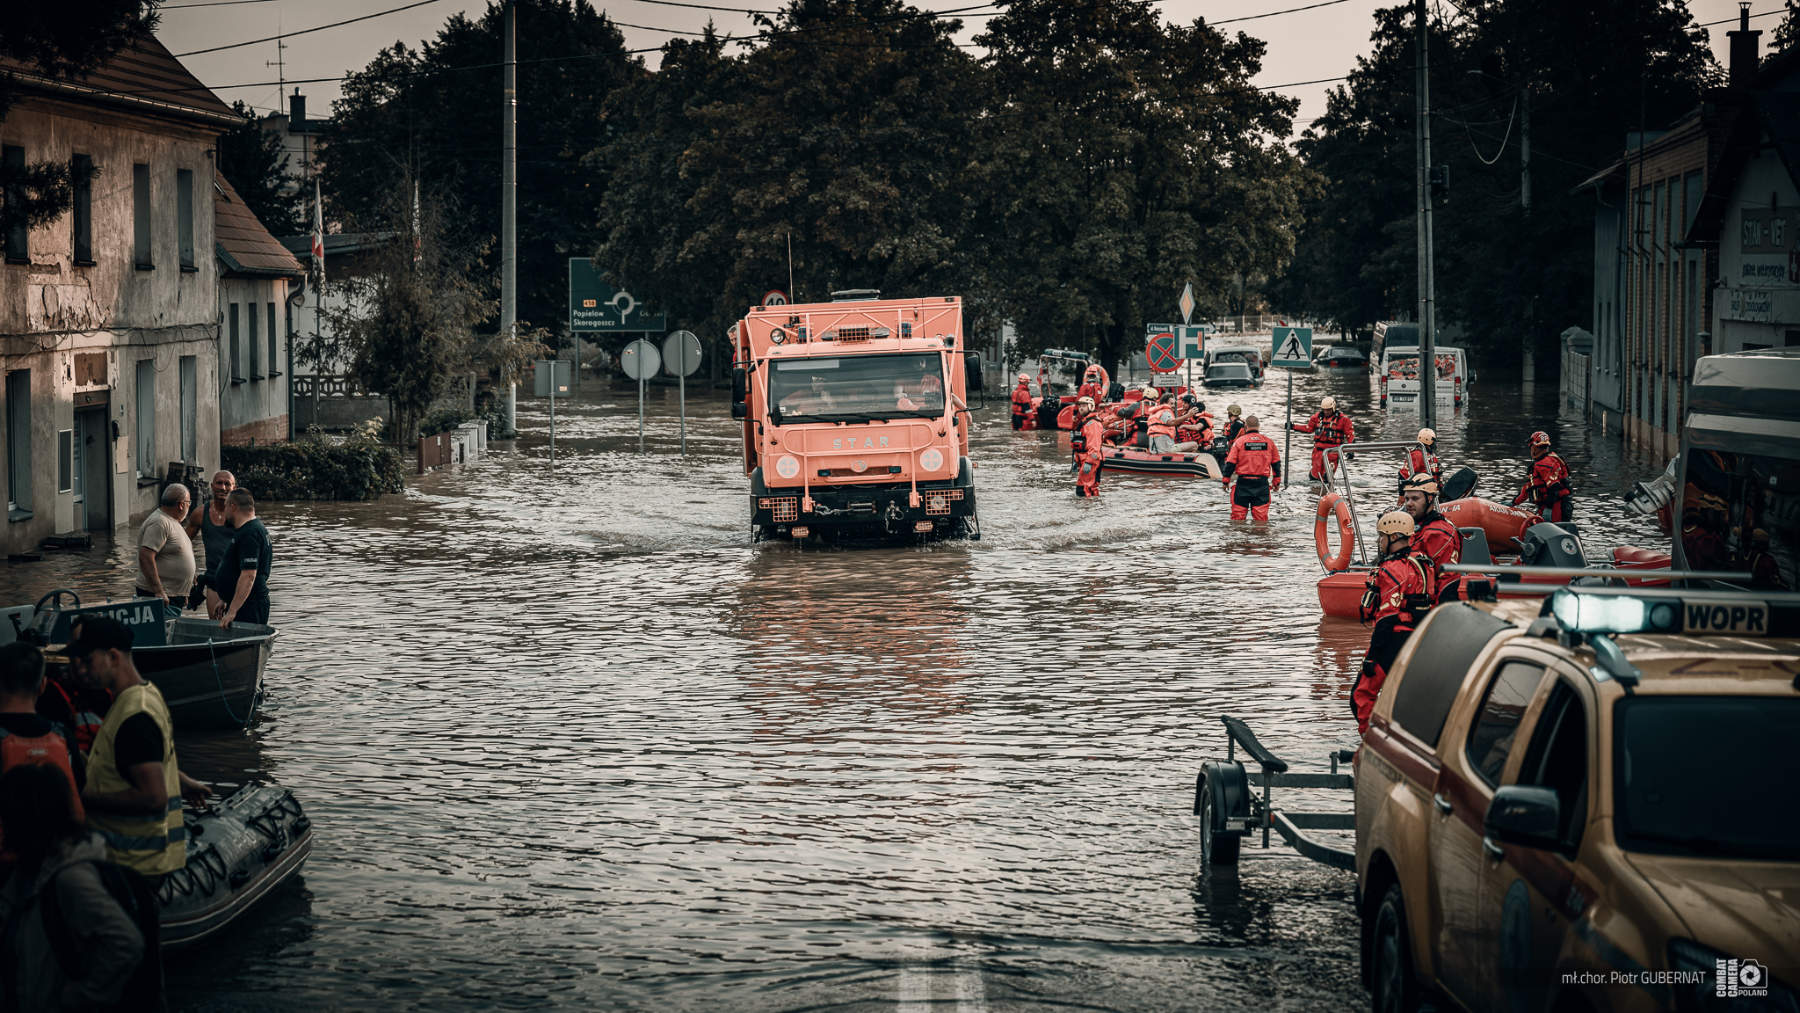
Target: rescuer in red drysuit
{"points": [[1093, 384], [1088, 444], [1396, 598], [1547, 484], [1433, 535], [1256, 463], [1422, 460], [1331, 429], [1021, 401]]}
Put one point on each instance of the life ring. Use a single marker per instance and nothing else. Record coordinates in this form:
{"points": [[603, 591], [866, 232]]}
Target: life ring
{"points": [[1329, 504]]}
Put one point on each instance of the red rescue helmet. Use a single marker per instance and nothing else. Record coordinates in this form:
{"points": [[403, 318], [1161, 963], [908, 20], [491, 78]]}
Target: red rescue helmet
{"points": [[1540, 443], [1024, 377]]}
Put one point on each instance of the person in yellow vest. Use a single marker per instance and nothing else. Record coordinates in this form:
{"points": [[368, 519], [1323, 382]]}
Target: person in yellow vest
{"points": [[134, 785]]}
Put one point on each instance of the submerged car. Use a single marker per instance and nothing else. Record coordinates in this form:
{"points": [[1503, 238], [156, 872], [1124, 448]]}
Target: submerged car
{"points": [[1229, 374]]}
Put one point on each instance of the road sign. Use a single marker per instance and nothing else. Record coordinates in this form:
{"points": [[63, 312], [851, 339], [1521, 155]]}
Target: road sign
{"points": [[1162, 352], [1291, 347], [681, 353], [1186, 305], [774, 297], [596, 306], [1192, 341], [640, 360], [544, 379]]}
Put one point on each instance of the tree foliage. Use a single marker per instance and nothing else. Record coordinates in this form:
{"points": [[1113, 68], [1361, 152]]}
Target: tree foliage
{"points": [[1119, 157], [253, 160], [433, 113], [407, 323], [1590, 71]]}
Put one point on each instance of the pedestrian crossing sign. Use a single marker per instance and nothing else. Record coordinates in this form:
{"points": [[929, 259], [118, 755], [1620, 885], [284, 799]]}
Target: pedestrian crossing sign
{"points": [[1292, 347]]}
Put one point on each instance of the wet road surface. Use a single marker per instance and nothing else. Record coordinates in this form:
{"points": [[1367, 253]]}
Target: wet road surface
{"points": [[572, 740]]}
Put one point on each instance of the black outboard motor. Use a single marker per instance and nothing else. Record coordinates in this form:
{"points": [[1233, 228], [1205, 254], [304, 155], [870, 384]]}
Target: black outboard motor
{"points": [[1549, 544]]}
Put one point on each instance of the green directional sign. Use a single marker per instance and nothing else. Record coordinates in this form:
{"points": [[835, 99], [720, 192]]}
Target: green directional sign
{"points": [[598, 307]]}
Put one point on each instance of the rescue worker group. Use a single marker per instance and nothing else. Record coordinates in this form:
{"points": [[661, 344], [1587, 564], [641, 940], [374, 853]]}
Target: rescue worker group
{"points": [[1414, 541]]}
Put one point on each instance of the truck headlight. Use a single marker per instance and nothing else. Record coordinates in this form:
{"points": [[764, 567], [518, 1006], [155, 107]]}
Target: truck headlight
{"points": [[788, 466]]}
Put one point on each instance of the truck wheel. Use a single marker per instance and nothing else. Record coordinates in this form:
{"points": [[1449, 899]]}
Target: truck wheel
{"points": [[1216, 847], [1392, 988]]}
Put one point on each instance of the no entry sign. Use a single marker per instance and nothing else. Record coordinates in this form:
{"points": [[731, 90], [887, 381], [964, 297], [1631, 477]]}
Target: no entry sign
{"points": [[1163, 352]]}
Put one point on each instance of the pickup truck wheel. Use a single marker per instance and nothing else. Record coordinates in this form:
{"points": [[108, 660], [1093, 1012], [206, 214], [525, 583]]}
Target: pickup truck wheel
{"points": [[1393, 989], [1215, 848]]}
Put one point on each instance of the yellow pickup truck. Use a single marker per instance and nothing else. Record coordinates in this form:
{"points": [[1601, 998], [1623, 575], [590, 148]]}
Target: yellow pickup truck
{"points": [[1586, 804]]}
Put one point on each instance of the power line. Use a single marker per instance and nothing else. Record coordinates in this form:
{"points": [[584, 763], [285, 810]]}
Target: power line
{"points": [[1296, 84], [212, 3], [304, 31], [1733, 21], [1270, 14]]}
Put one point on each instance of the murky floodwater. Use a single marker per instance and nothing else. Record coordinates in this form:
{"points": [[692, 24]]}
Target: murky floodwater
{"points": [[571, 740]]}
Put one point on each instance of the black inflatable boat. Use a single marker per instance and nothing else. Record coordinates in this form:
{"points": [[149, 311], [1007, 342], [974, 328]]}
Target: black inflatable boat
{"points": [[237, 852]]}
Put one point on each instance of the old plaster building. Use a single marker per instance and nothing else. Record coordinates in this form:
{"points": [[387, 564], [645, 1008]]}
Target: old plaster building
{"points": [[258, 281], [109, 315]]}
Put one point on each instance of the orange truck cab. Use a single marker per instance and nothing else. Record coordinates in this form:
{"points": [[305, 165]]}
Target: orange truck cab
{"points": [[856, 417]]}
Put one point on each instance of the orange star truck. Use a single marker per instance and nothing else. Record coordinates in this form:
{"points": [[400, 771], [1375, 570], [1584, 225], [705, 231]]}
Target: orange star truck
{"points": [[856, 418]]}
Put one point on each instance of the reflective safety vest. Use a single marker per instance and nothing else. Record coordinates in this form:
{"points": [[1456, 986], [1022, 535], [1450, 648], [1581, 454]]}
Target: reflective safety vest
{"points": [[150, 844]]}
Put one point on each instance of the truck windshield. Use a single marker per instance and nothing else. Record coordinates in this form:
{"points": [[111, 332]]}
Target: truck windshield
{"points": [[856, 388], [1673, 799]]}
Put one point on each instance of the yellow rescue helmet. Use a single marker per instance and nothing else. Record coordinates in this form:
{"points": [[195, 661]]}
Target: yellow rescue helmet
{"points": [[1328, 405], [1396, 522], [1428, 436], [1233, 410]]}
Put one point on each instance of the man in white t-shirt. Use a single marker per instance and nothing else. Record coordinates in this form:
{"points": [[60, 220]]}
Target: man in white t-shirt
{"points": [[165, 553]]}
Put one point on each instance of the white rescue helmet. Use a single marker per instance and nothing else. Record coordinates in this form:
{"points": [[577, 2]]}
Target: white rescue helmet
{"points": [[1428, 436], [1328, 405]]}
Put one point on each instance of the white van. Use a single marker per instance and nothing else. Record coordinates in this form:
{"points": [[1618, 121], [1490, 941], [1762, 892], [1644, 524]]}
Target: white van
{"points": [[1399, 375]]}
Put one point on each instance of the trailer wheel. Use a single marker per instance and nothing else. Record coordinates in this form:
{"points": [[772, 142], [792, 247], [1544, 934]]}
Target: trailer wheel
{"points": [[1218, 846]]}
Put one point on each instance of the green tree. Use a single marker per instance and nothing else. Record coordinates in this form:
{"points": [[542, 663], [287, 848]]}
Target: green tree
{"points": [[848, 131], [1589, 71], [1788, 32], [253, 160], [1120, 157], [433, 113], [407, 323], [61, 41]]}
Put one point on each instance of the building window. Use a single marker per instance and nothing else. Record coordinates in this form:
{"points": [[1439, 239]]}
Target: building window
{"points": [[144, 393], [237, 372], [190, 407], [17, 231], [184, 216], [274, 360], [255, 343], [81, 167], [65, 460], [140, 217], [18, 445]]}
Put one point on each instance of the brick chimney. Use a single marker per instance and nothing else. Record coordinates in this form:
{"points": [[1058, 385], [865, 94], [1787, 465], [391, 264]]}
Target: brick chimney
{"points": [[1743, 51], [297, 101]]}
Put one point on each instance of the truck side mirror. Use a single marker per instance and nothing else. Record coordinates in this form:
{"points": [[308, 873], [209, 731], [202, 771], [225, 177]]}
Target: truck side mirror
{"points": [[740, 383], [1524, 815], [972, 368]]}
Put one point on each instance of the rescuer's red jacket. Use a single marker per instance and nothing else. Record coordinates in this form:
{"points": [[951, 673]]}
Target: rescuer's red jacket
{"points": [[1438, 540], [1021, 399], [1328, 432], [1546, 483], [1254, 455]]}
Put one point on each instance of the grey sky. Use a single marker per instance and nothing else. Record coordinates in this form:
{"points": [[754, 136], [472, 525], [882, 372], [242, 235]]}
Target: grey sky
{"points": [[1303, 46]]}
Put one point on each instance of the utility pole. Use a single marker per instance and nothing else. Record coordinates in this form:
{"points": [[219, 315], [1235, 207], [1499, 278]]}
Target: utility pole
{"points": [[509, 206], [280, 65], [1427, 283], [1530, 361]]}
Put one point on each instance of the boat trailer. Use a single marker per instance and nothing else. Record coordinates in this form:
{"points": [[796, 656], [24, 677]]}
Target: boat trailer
{"points": [[1230, 810]]}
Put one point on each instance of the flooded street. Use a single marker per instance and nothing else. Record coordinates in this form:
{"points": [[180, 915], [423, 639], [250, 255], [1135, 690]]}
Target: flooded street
{"points": [[572, 740]]}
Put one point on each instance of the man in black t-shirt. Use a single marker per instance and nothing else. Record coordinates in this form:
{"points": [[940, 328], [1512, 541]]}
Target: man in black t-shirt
{"points": [[242, 579]]}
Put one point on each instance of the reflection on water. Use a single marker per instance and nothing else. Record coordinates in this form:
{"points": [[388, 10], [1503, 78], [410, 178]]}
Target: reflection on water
{"points": [[571, 740]]}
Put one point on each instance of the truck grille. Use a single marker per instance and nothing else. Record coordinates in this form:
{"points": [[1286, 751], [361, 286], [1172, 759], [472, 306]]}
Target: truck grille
{"points": [[853, 334], [937, 502], [782, 509]]}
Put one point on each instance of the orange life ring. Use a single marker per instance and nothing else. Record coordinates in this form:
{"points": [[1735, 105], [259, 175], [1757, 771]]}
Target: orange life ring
{"points": [[1329, 504]]}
